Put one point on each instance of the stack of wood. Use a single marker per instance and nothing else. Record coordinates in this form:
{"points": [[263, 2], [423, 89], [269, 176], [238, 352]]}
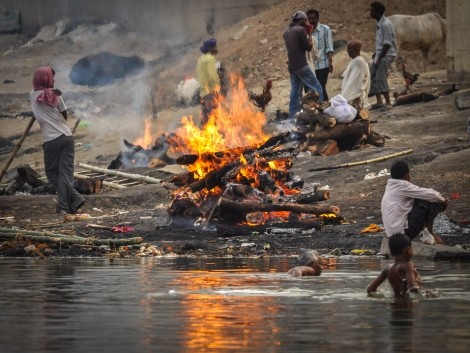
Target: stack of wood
{"points": [[321, 134], [235, 201], [137, 156]]}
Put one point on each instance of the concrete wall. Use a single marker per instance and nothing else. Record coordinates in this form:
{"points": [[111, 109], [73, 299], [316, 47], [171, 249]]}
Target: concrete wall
{"points": [[458, 43], [192, 18]]}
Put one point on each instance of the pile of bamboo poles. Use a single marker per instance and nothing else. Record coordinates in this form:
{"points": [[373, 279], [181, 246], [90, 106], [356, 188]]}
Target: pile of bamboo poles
{"points": [[57, 238]]}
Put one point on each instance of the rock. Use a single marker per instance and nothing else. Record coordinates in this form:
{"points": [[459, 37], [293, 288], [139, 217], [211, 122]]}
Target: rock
{"points": [[462, 101], [431, 252]]}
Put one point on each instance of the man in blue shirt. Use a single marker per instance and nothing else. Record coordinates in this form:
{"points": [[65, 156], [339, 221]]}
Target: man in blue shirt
{"points": [[324, 38]]}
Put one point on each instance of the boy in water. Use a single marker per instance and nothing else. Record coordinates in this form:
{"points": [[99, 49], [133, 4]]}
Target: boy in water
{"points": [[309, 264], [402, 274]]}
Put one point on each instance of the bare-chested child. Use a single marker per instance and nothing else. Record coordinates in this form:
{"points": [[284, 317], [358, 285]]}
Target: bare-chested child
{"points": [[402, 274], [309, 264]]}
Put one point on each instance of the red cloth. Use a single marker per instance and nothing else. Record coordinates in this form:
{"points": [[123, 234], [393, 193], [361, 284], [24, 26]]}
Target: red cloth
{"points": [[43, 80]]}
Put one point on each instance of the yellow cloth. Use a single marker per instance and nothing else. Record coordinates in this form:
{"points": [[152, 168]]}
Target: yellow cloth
{"points": [[207, 76], [372, 228]]}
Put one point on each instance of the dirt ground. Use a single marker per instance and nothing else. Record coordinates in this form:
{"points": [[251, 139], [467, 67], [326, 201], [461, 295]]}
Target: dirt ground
{"points": [[435, 131]]}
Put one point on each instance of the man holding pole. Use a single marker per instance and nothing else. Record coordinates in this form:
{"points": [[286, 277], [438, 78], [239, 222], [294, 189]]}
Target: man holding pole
{"points": [[51, 113]]}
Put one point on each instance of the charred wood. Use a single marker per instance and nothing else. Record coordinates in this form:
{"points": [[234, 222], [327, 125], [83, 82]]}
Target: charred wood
{"points": [[234, 230], [229, 205], [315, 196], [340, 131]]}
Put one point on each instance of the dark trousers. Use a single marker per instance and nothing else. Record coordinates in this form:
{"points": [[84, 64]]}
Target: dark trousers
{"points": [[422, 213], [208, 104], [322, 77], [58, 162]]}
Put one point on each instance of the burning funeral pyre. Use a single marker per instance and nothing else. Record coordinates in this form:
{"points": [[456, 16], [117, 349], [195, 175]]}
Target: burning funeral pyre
{"points": [[239, 176]]}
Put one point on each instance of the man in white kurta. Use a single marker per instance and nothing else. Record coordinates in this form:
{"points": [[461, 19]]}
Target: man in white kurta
{"points": [[356, 77]]}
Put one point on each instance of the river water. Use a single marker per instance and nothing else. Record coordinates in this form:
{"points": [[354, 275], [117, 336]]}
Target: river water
{"points": [[225, 305]]}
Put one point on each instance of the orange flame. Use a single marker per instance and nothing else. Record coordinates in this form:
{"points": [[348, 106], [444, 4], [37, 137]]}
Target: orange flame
{"points": [[235, 122], [147, 140]]}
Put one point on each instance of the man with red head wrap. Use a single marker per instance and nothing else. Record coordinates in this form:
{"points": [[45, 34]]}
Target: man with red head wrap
{"points": [[51, 113]]}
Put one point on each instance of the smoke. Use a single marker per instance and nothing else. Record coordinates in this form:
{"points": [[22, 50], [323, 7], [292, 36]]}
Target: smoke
{"points": [[155, 32]]}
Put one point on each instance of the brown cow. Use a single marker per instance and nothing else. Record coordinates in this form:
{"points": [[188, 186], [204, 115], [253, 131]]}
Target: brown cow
{"points": [[424, 32]]}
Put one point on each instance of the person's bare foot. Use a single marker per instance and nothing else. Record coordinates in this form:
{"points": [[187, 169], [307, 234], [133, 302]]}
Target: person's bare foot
{"points": [[438, 239]]}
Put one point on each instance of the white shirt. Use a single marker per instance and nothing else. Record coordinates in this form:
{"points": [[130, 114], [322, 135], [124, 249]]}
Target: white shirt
{"points": [[51, 121], [398, 201], [356, 80]]}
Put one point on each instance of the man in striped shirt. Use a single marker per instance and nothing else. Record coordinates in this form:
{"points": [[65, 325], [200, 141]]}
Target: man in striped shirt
{"points": [[324, 38]]}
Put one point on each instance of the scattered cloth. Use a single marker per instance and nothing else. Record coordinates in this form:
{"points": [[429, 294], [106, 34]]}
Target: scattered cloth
{"points": [[372, 228]]}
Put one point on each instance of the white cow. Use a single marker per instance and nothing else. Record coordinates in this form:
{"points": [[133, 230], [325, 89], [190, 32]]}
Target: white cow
{"points": [[424, 32]]}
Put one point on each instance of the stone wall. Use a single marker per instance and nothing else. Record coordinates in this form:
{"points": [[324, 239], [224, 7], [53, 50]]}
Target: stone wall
{"points": [[458, 45]]}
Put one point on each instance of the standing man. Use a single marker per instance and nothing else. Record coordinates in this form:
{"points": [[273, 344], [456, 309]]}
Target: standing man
{"points": [[324, 38], [51, 113], [356, 77], [385, 53], [208, 78], [407, 208], [298, 44]]}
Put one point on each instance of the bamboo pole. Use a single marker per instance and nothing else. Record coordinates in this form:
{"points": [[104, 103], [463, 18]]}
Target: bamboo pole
{"points": [[49, 237], [368, 161], [77, 122], [145, 178], [105, 183], [17, 147]]}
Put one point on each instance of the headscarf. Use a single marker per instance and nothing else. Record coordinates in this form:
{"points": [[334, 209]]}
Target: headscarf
{"points": [[207, 44], [43, 80]]}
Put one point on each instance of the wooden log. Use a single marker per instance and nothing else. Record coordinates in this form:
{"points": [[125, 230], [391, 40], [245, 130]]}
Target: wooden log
{"points": [[313, 117], [143, 178], [211, 180], [232, 153], [316, 196], [325, 148], [25, 175], [340, 131], [250, 206], [415, 97]]}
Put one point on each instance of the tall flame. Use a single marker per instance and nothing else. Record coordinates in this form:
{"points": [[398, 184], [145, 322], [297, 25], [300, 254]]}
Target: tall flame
{"points": [[147, 140], [235, 122]]}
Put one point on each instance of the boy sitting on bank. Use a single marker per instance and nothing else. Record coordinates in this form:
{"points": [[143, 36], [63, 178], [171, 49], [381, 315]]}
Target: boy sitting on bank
{"points": [[309, 264], [402, 274]]}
